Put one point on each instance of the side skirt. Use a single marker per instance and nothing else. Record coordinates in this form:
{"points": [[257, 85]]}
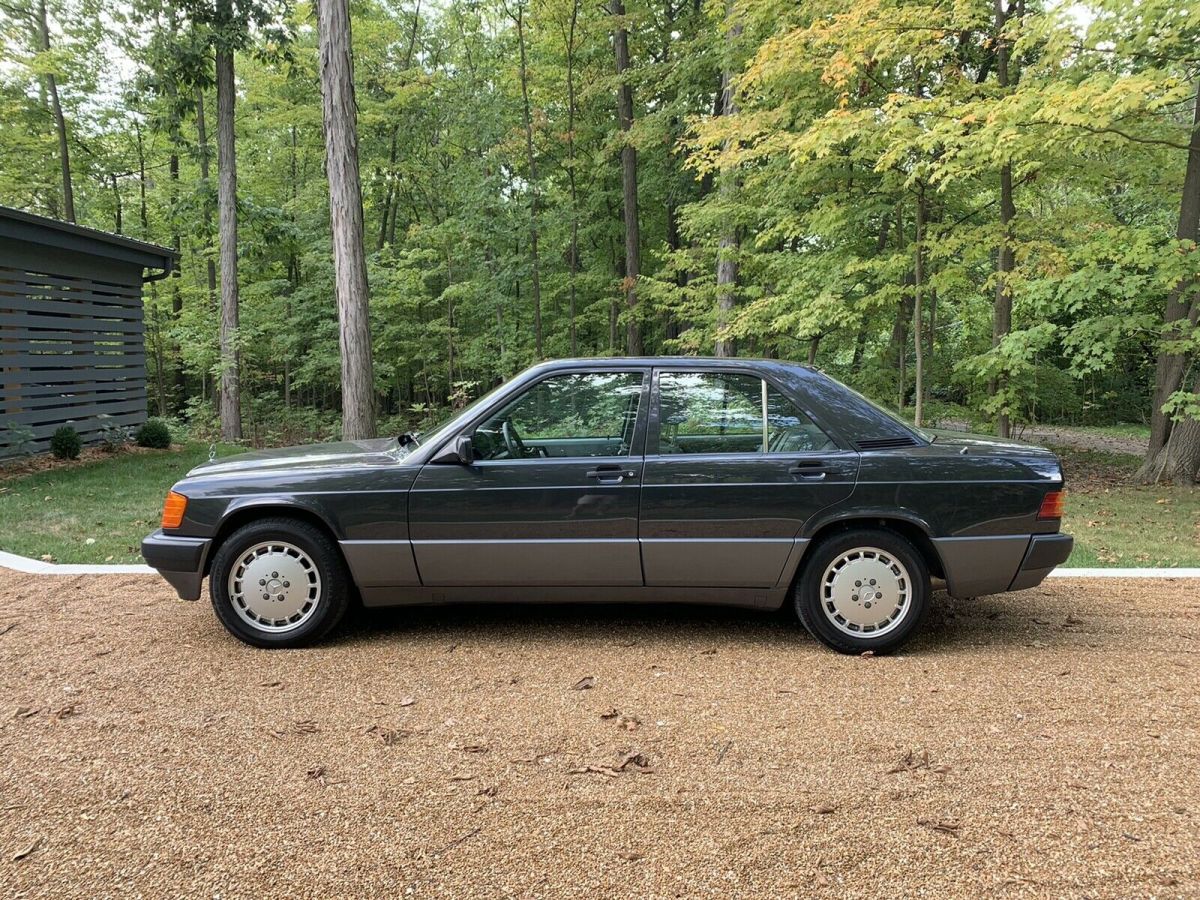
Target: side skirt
{"points": [[766, 598]]}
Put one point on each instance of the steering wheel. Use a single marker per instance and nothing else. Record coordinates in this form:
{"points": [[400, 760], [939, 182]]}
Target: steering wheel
{"points": [[512, 440]]}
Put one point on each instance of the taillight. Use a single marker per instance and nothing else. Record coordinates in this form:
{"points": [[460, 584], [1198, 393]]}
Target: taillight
{"points": [[173, 510], [1052, 505]]}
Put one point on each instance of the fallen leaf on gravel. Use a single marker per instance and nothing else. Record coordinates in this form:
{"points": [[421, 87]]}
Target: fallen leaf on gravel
{"points": [[597, 770], [68, 710], [305, 726], [390, 736], [584, 684], [21, 854], [463, 777], [630, 855], [610, 713], [721, 754], [5, 629], [628, 723], [489, 791], [867, 654], [911, 762], [823, 809], [25, 712], [1071, 620], [638, 761], [945, 826], [270, 684], [476, 748], [407, 701], [321, 776], [712, 651]]}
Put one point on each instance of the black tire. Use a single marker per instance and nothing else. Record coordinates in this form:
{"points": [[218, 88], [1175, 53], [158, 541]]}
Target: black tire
{"points": [[809, 603], [333, 595]]}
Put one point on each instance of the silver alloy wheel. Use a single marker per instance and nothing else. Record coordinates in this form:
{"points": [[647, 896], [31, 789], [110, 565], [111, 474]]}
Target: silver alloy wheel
{"points": [[275, 587], [866, 592]]}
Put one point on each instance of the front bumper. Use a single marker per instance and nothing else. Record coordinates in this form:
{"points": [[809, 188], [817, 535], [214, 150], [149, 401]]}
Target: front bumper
{"points": [[180, 560], [1046, 551]]}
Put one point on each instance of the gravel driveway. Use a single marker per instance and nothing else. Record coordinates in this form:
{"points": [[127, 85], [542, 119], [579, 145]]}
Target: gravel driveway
{"points": [[1043, 743]]}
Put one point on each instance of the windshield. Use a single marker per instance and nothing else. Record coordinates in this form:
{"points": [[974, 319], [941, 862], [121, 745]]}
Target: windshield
{"points": [[435, 433]]}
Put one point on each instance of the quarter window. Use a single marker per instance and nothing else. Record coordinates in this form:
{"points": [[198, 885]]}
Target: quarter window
{"points": [[582, 415], [718, 412]]}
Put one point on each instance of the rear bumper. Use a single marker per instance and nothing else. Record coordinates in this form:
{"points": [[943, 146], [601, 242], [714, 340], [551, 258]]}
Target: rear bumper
{"points": [[180, 560], [977, 566], [1046, 551]]}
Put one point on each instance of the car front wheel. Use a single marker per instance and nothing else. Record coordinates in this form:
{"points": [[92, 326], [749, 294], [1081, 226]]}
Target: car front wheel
{"points": [[863, 590], [279, 582]]}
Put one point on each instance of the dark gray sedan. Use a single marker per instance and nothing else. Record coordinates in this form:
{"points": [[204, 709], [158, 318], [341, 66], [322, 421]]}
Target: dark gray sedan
{"points": [[745, 482]]}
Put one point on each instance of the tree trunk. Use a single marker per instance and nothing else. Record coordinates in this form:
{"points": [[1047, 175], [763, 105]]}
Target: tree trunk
{"points": [[60, 122], [346, 219], [573, 253], [1181, 310], [730, 242], [918, 288], [118, 225], [1003, 303], [230, 401], [633, 256], [519, 18], [389, 194], [814, 343]]}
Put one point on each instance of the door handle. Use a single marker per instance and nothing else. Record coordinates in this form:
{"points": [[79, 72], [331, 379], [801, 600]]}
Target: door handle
{"points": [[809, 470], [611, 474]]}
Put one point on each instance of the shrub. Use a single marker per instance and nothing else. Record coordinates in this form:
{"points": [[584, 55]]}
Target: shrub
{"points": [[65, 444], [113, 437], [16, 440], [154, 433]]}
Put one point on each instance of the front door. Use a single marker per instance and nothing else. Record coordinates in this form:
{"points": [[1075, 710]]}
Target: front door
{"points": [[733, 470], [552, 497]]}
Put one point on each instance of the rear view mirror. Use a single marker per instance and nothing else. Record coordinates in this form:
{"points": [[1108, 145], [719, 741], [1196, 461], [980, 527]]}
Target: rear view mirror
{"points": [[457, 452]]}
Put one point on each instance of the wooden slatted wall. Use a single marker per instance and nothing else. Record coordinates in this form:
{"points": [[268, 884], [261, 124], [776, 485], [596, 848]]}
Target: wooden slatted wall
{"points": [[71, 351]]}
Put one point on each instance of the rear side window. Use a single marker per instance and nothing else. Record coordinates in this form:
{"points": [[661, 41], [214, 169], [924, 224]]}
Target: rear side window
{"points": [[719, 412]]}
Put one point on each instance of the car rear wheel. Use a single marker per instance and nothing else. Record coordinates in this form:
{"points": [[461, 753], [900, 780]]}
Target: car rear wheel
{"points": [[863, 590], [279, 582]]}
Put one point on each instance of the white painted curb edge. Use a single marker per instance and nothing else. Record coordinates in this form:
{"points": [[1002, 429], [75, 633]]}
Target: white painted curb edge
{"points": [[37, 567]]}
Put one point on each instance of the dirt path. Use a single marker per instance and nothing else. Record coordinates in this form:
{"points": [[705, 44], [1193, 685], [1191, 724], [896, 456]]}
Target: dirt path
{"points": [[1065, 436], [1043, 743]]}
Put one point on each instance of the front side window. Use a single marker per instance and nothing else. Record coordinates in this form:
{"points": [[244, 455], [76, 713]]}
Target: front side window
{"points": [[582, 415], [719, 412]]}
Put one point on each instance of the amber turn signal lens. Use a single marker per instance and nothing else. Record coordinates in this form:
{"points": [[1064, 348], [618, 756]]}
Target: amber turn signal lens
{"points": [[173, 510], [1052, 505]]}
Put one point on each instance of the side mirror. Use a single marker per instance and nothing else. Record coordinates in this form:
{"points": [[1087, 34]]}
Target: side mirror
{"points": [[458, 452]]}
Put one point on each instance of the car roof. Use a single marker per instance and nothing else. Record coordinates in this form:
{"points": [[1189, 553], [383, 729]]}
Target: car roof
{"points": [[700, 362]]}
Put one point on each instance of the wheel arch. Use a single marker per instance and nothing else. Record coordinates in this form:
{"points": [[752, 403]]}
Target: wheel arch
{"points": [[243, 513], [915, 531]]}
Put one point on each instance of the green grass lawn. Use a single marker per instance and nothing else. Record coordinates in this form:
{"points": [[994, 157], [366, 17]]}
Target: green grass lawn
{"points": [[111, 500], [115, 500], [1118, 523]]}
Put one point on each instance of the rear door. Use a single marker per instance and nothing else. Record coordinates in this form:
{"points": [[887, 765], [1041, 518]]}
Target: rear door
{"points": [[552, 497], [733, 470]]}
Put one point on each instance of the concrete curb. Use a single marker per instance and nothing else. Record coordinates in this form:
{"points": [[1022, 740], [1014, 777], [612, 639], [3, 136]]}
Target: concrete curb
{"points": [[37, 567]]}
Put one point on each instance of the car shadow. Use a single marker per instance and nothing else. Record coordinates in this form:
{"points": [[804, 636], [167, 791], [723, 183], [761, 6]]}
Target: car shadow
{"points": [[949, 626]]}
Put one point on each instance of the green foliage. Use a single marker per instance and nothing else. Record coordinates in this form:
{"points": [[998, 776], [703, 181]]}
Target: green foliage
{"points": [[154, 433], [114, 437], [16, 440], [65, 443], [849, 116]]}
